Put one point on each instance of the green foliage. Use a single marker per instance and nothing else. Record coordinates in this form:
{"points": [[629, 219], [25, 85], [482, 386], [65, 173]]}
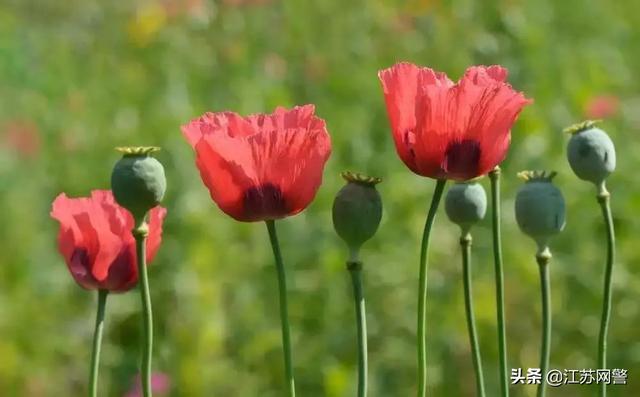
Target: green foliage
{"points": [[79, 77]]}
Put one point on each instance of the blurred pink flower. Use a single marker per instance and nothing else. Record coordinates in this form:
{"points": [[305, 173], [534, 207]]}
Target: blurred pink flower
{"points": [[602, 106], [22, 137], [160, 384], [175, 8]]}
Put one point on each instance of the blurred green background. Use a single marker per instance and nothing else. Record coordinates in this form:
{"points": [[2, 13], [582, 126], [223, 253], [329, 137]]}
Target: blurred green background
{"points": [[79, 77]]}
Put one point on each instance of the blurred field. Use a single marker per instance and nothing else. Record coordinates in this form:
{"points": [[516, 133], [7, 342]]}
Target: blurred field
{"points": [[79, 77]]}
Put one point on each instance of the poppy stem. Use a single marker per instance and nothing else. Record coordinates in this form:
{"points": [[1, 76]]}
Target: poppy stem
{"points": [[499, 275], [140, 233], [543, 259], [422, 289], [355, 268], [97, 342], [604, 200], [284, 311], [465, 245]]}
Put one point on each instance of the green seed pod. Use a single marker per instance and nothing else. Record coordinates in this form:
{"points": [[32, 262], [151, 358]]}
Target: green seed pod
{"points": [[540, 208], [590, 152], [466, 204], [357, 210], [138, 181]]}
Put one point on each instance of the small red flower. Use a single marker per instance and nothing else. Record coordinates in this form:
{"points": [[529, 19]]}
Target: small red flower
{"points": [[95, 240], [261, 167], [22, 136], [450, 131], [602, 107]]}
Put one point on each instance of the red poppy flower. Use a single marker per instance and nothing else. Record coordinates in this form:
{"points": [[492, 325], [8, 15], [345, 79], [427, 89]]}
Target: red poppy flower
{"points": [[95, 240], [450, 131], [261, 167]]}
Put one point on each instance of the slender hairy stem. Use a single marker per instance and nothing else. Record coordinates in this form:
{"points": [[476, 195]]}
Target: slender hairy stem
{"points": [[355, 268], [465, 245], [97, 342], [543, 264], [284, 311], [603, 199], [497, 256], [140, 233], [422, 290]]}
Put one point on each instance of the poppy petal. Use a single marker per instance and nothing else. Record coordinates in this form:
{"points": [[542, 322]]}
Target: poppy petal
{"points": [[69, 236], [156, 219], [123, 272], [407, 99], [492, 108], [227, 169], [103, 247], [223, 123], [307, 147], [120, 220]]}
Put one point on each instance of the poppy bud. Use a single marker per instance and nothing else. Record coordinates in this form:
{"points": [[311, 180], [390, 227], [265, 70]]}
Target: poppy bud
{"points": [[357, 210], [466, 204], [590, 151], [137, 181], [540, 208]]}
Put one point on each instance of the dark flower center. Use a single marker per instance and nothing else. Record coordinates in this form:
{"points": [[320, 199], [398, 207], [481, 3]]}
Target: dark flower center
{"points": [[461, 159], [264, 202], [79, 265]]}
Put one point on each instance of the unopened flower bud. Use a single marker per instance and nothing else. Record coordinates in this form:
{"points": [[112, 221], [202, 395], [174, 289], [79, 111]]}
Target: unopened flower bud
{"points": [[466, 204], [138, 181], [357, 210], [540, 208], [590, 152]]}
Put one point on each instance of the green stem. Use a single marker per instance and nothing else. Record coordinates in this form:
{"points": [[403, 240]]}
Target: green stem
{"points": [[140, 233], [499, 275], [465, 245], [603, 199], [284, 311], [355, 268], [422, 289], [543, 259], [97, 342]]}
